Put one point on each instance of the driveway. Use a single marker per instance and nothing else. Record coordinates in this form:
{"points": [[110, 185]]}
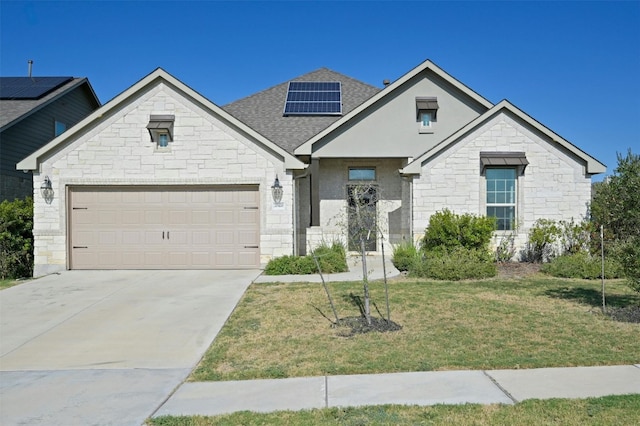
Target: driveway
{"points": [[107, 347]]}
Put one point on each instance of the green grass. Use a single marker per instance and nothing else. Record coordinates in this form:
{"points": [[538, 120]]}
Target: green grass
{"points": [[611, 410], [8, 283], [283, 330]]}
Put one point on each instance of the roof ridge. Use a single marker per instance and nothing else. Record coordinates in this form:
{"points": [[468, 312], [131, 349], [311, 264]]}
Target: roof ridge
{"points": [[299, 78]]}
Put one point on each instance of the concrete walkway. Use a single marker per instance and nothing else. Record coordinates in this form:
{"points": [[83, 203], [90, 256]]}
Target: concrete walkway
{"points": [[419, 388], [422, 388], [374, 267]]}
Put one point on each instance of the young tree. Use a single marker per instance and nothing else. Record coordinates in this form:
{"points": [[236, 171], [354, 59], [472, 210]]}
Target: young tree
{"points": [[361, 223], [363, 230]]}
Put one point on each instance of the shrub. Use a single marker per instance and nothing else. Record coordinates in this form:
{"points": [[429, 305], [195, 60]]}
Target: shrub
{"points": [[582, 265], [575, 237], [630, 260], [448, 230], [331, 259], [16, 238], [457, 264], [405, 255], [291, 265], [542, 239], [506, 248], [616, 206]]}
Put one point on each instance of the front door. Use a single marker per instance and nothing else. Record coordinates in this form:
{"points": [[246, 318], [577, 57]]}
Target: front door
{"points": [[362, 214]]}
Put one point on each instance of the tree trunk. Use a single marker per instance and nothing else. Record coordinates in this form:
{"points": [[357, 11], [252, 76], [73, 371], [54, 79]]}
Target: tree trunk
{"points": [[326, 289], [365, 281]]}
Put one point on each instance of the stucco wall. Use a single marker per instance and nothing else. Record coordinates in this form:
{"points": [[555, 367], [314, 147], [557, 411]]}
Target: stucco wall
{"points": [[334, 177], [390, 128], [118, 151], [554, 185]]}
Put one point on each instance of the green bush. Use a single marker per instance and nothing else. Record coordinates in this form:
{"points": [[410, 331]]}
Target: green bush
{"points": [[405, 255], [506, 248], [630, 260], [541, 246], [457, 264], [448, 230], [575, 237], [582, 265], [16, 238], [331, 259]]}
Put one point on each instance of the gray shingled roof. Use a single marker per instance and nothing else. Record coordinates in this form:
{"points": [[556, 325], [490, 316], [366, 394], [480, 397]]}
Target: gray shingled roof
{"points": [[263, 111], [12, 111]]}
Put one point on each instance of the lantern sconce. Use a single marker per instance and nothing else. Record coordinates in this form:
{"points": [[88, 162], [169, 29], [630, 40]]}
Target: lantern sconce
{"points": [[276, 192], [46, 189]]}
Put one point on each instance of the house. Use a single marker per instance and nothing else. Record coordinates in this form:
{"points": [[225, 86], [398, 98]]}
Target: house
{"points": [[161, 177], [34, 110]]}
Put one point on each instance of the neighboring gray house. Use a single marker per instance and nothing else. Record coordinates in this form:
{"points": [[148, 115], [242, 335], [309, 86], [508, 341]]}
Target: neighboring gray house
{"points": [[161, 177], [34, 110]]}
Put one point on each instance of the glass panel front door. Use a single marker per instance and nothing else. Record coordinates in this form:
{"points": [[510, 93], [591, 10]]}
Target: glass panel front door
{"points": [[362, 213]]}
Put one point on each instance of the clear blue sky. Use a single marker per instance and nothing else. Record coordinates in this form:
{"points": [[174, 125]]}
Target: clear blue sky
{"points": [[573, 66]]}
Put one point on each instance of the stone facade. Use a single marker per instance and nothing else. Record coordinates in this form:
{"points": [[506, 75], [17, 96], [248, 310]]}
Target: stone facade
{"points": [[553, 186], [119, 151]]}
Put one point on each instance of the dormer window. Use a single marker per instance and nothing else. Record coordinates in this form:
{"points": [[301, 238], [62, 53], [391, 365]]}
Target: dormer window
{"points": [[59, 128], [426, 109], [161, 129], [163, 140], [425, 119]]}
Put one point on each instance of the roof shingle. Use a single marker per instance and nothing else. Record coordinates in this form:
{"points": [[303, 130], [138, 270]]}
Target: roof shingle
{"points": [[263, 111]]}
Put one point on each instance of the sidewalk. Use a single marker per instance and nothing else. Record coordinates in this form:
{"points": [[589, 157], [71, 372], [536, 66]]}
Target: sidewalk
{"points": [[417, 388], [421, 388]]}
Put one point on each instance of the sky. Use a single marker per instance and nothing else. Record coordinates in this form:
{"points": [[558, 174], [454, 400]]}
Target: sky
{"points": [[574, 66]]}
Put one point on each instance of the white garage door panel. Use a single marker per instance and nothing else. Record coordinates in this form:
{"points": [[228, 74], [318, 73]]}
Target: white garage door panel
{"points": [[164, 227]]}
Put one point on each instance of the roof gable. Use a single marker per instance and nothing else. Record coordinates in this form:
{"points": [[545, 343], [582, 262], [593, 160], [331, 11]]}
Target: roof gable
{"points": [[15, 109], [593, 166], [307, 147], [263, 111], [124, 98]]}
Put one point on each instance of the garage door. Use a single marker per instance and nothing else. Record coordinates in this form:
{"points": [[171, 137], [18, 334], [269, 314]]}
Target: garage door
{"points": [[164, 227]]}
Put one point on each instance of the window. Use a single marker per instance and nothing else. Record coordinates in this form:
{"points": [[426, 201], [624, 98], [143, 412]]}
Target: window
{"points": [[161, 129], [59, 128], [425, 119], [362, 173], [427, 109], [501, 196], [163, 140]]}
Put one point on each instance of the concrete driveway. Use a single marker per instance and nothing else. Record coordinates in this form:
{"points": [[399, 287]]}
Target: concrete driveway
{"points": [[106, 347]]}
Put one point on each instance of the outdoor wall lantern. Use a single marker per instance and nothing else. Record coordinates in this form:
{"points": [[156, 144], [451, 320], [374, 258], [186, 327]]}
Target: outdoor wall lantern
{"points": [[46, 189], [276, 191]]}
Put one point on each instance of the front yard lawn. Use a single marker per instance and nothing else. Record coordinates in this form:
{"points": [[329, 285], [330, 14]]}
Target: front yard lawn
{"points": [[283, 330]]}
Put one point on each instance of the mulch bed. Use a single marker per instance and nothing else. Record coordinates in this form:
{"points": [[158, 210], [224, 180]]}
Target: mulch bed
{"points": [[626, 314], [350, 326], [516, 270]]}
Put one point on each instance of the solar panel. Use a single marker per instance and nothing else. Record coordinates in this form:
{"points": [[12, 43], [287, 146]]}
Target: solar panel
{"points": [[29, 87], [314, 98]]}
